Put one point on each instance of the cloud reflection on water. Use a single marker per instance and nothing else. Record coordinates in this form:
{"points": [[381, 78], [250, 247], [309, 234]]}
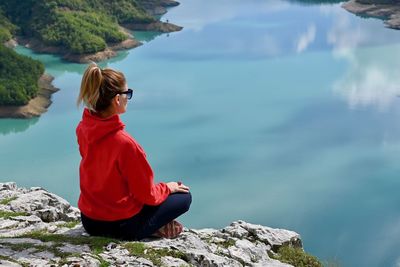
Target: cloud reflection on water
{"points": [[306, 39], [203, 13], [372, 78]]}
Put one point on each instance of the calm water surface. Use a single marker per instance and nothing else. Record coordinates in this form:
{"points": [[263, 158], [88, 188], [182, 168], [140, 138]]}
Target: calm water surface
{"points": [[274, 112]]}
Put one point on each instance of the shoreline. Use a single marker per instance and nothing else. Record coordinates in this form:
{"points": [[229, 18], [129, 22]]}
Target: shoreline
{"points": [[110, 51], [389, 13], [37, 105]]}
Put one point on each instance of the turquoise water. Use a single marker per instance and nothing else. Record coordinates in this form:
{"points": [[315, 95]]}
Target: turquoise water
{"points": [[273, 112]]}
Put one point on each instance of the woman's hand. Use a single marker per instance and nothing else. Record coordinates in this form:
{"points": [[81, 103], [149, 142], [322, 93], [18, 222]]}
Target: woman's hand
{"points": [[177, 187]]}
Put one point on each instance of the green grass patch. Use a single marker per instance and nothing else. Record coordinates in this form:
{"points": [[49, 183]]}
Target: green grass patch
{"points": [[9, 214], [69, 224], [7, 258], [19, 247], [103, 263], [227, 243], [136, 248], [7, 200], [96, 243], [55, 250], [154, 255], [296, 257]]}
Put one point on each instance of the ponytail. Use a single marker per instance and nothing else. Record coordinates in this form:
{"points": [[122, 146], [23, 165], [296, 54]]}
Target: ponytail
{"points": [[98, 87], [90, 87]]}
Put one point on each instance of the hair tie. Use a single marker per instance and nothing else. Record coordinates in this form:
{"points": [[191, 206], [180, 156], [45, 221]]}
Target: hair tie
{"points": [[94, 66]]}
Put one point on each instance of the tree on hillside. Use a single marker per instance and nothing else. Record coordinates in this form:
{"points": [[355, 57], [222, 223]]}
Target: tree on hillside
{"points": [[79, 26], [18, 77]]}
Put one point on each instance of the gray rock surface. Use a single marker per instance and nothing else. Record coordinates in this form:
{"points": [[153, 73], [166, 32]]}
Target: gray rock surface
{"points": [[38, 228], [390, 13]]}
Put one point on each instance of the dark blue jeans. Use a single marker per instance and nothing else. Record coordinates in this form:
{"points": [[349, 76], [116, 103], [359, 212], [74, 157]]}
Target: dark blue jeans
{"points": [[143, 224]]}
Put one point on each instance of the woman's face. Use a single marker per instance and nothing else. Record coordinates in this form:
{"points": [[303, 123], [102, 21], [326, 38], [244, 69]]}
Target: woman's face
{"points": [[120, 102], [123, 101]]}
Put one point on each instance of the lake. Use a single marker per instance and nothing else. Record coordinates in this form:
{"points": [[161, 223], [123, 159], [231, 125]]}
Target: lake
{"points": [[275, 112]]}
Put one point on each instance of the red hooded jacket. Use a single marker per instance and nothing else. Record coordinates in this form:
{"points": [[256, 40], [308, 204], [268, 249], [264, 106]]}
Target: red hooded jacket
{"points": [[115, 178]]}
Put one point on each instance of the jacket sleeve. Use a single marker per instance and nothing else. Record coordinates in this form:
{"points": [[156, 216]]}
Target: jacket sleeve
{"points": [[139, 175]]}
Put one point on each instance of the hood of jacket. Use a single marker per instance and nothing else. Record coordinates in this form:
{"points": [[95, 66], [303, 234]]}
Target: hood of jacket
{"points": [[93, 128]]}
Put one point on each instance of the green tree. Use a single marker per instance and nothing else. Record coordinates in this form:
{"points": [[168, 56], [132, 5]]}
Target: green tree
{"points": [[18, 77]]}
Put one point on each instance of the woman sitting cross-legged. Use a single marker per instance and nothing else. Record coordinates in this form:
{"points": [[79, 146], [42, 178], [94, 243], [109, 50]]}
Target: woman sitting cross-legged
{"points": [[118, 196]]}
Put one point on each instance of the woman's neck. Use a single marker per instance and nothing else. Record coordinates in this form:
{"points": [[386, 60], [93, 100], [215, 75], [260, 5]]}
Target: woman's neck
{"points": [[106, 113]]}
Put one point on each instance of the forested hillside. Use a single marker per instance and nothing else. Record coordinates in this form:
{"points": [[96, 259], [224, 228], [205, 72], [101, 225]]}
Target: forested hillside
{"points": [[6, 28], [78, 26], [73, 26], [18, 74], [18, 77]]}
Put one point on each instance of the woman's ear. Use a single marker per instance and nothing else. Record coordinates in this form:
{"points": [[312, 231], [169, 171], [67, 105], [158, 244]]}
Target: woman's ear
{"points": [[117, 100]]}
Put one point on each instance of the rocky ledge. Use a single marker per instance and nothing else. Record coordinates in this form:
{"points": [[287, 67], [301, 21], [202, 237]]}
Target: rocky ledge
{"points": [[38, 228], [158, 8], [390, 12]]}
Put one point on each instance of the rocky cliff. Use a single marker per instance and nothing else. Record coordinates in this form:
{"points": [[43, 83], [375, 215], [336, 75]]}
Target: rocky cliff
{"points": [[38, 228], [389, 11]]}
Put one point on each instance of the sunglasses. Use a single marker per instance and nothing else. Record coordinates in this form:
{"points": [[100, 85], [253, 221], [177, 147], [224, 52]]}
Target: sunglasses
{"points": [[128, 93]]}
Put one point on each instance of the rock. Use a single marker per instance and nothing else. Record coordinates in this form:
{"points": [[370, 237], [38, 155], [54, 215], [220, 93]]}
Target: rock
{"points": [[8, 186], [390, 13], [156, 26], [8, 263], [109, 52], [12, 43], [173, 262], [158, 8], [86, 259], [270, 236], [68, 248], [47, 206], [239, 244]]}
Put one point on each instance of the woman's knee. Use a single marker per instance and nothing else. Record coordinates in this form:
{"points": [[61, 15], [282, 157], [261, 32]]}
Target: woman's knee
{"points": [[186, 201], [179, 202]]}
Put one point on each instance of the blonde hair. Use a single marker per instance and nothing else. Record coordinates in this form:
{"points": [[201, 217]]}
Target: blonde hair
{"points": [[99, 86]]}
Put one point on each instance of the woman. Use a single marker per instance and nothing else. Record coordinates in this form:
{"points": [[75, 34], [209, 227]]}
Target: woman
{"points": [[118, 197]]}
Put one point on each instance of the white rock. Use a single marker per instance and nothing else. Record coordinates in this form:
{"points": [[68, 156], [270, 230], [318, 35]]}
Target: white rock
{"points": [[8, 263], [8, 186], [6, 251], [29, 219], [238, 244], [47, 206], [173, 262], [271, 236], [68, 248], [6, 224]]}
